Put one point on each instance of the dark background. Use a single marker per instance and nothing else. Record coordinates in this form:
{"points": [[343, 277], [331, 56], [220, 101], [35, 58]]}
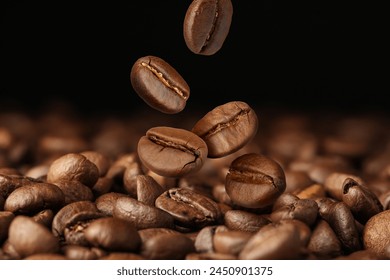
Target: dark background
{"points": [[308, 55]]}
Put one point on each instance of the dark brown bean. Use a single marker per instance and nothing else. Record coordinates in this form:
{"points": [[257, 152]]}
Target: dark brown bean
{"points": [[324, 242], [75, 252], [255, 181], [148, 189], [106, 202], [244, 221], [230, 242], [44, 217], [227, 128], [376, 233], [74, 191], [184, 150], [6, 218], [189, 209], [159, 84], [206, 25]]}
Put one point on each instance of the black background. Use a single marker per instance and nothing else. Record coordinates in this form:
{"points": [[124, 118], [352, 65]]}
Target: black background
{"points": [[290, 54]]}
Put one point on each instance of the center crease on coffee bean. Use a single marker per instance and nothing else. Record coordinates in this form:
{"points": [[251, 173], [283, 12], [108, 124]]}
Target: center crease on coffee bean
{"points": [[165, 81], [170, 144], [212, 28], [257, 177], [220, 126]]}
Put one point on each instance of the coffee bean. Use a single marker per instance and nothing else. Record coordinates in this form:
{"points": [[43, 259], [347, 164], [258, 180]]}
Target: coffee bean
{"points": [[148, 189], [106, 202], [206, 25], [75, 252], [255, 181], [227, 128], [6, 218], [335, 183], [101, 161], [189, 209], [33, 198], [376, 233], [9, 183], [244, 221], [73, 166], [313, 191], [140, 214], [113, 234], [324, 242], [46, 256], [230, 242], [29, 237], [130, 178], [159, 84], [184, 150], [44, 217], [74, 191]]}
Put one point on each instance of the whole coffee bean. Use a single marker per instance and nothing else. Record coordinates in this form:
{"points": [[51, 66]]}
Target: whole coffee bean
{"points": [[102, 186], [106, 202], [130, 178], [335, 183], [9, 183], [189, 209], [73, 166], [183, 150], [376, 233], [148, 189], [113, 234], [29, 237], [141, 215], [227, 128], [206, 25], [34, 198], [384, 198], [75, 252], [74, 191], [167, 246], [148, 233], [44, 217], [324, 242], [303, 229], [6, 218], [67, 213], [244, 221], [204, 240], [340, 218], [273, 242], [159, 84], [255, 181], [230, 242], [101, 161]]}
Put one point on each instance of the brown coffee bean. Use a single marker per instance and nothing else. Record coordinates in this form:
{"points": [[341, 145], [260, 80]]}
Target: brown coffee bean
{"points": [[384, 198], [376, 234], [273, 242], [189, 209], [67, 213], [206, 25], [34, 198], [29, 237], [73, 166], [148, 189], [44, 217], [9, 183], [159, 84], [204, 240], [101, 161], [6, 218], [75, 252], [313, 191], [230, 242], [227, 128], [130, 178], [141, 215], [113, 234], [361, 255], [106, 202], [148, 233], [340, 218], [324, 242], [184, 150], [255, 181], [303, 229], [167, 246], [102, 186], [74, 191], [335, 183], [244, 221]]}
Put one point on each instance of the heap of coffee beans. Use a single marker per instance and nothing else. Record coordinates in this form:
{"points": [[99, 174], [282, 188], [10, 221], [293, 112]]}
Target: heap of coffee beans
{"points": [[304, 186]]}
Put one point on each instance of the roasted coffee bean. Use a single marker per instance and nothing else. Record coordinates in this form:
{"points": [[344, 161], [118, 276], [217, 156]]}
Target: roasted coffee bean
{"points": [[67, 213], [184, 150], [189, 209], [9, 183], [314, 191], [227, 128], [113, 234], [324, 242], [204, 240], [6, 218], [74, 232], [106, 202], [102, 186], [73, 166], [148, 233], [141, 215], [75, 252], [148, 189], [101, 161], [244, 221], [159, 84], [130, 178], [44, 217], [206, 25], [341, 220], [304, 210], [167, 246], [29, 237], [335, 183], [230, 242], [376, 234], [384, 198], [34, 198], [303, 229], [361, 255], [255, 181], [273, 241], [74, 191]]}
